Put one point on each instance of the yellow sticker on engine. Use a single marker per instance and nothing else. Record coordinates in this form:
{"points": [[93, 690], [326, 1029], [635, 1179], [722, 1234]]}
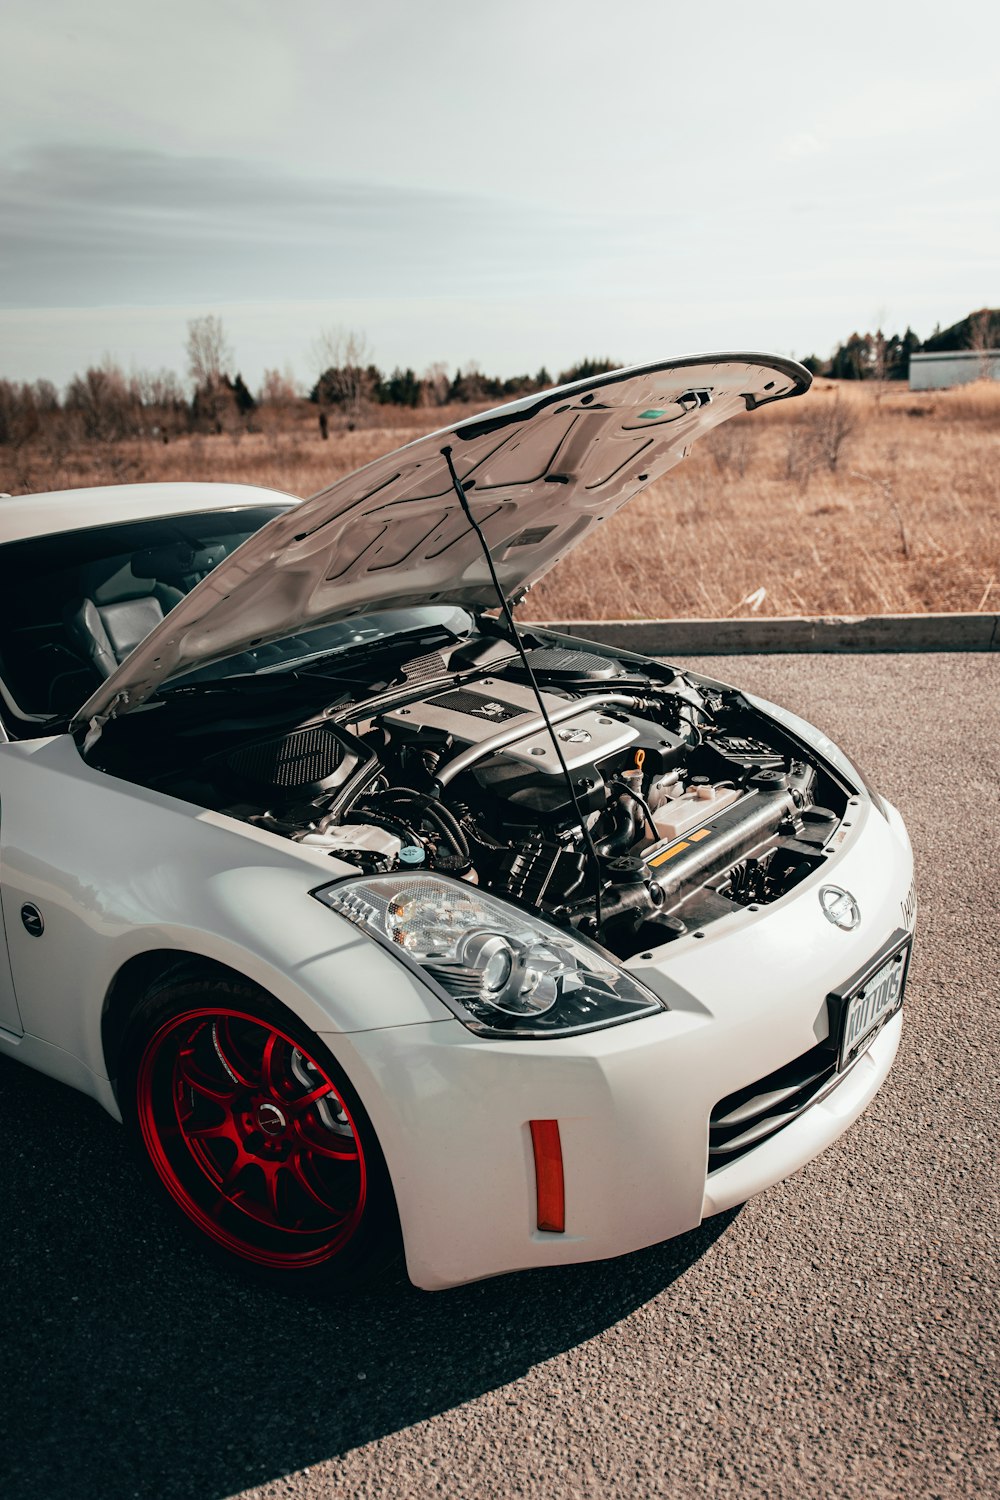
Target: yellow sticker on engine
{"points": [[660, 856]]}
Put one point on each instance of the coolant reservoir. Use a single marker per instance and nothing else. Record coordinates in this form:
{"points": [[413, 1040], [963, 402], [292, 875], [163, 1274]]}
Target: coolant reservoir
{"points": [[697, 805]]}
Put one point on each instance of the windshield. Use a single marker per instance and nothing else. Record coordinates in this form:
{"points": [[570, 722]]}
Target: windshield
{"points": [[74, 604], [295, 651]]}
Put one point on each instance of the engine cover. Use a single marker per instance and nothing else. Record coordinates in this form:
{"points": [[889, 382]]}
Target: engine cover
{"points": [[474, 716]]}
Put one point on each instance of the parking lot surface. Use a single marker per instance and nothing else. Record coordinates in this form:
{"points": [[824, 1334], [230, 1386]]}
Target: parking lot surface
{"points": [[836, 1337]]}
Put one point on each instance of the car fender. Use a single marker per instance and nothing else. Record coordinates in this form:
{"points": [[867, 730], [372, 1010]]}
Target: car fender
{"points": [[118, 870]]}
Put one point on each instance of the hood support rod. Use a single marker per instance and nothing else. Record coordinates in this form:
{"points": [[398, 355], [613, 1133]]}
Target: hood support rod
{"points": [[595, 863]]}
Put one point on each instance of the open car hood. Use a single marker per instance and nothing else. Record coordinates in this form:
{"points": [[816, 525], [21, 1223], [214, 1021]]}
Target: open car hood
{"points": [[540, 474]]}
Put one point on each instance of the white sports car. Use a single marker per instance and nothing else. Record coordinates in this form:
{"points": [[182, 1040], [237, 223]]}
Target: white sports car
{"points": [[389, 927]]}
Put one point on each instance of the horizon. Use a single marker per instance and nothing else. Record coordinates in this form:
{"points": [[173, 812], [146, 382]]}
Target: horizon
{"points": [[428, 371]]}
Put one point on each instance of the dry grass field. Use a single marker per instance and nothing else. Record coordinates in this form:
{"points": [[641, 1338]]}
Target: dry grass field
{"points": [[853, 500]]}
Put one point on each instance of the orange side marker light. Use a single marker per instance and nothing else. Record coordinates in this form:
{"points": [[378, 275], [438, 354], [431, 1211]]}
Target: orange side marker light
{"points": [[550, 1192]]}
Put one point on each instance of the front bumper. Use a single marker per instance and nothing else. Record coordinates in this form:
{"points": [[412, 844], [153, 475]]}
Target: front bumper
{"points": [[633, 1102]]}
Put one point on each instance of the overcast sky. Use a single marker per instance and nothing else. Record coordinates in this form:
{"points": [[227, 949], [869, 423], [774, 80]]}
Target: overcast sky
{"points": [[521, 184]]}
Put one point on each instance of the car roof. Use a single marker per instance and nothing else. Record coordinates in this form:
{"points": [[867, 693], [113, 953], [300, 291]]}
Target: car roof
{"points": [[23, 516]]}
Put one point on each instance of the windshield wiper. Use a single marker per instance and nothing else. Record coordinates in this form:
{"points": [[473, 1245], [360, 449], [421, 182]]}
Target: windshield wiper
{"points": [[238, 682]]}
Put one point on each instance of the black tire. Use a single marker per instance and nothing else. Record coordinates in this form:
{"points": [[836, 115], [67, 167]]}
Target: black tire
{"points": [[253, 1133]]}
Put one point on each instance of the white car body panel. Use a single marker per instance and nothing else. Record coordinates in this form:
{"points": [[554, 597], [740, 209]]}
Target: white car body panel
{"points": [[633, 1101], [174, 877], [23, 516]]}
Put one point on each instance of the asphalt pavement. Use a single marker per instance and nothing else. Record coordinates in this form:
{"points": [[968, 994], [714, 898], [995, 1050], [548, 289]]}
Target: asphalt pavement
{"points": [[836, 1337]]}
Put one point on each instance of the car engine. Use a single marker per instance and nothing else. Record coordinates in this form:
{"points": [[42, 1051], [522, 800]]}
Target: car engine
{"points": [[687, 803]]}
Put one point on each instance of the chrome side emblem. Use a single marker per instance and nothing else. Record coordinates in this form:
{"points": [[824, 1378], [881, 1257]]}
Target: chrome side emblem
{"points": [[839, 907], [575, 736], [34, 922]]}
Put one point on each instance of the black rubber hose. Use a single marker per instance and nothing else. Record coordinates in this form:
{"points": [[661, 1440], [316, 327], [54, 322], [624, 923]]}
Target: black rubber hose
{"points": [[641, 802], [443, 818], [622, 838]]}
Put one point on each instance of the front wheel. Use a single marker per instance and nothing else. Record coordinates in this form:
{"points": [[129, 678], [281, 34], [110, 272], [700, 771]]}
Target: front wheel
{"points": [[258, 1138]]}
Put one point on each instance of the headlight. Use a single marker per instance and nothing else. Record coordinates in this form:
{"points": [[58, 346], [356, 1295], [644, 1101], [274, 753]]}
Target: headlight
{"points": [[497, 968]]}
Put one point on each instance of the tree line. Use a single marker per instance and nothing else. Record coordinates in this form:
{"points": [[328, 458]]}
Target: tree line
{"points": [[105, 404], [880, 356]]}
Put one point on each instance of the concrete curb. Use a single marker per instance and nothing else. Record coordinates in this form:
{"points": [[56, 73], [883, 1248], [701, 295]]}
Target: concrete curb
{"points": [[951, 632]]}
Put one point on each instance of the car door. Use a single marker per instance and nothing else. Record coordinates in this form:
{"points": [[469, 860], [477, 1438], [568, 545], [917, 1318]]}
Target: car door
{"points": [[10, 1020]]}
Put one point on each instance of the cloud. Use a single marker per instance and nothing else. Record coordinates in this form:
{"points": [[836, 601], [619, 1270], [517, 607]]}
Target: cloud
{"points": [[91, 225]]}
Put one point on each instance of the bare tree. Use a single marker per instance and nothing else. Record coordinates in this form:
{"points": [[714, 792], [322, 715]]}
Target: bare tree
{"points": [[831, 425], [277, 388], [19, 418], [208, 352], [46, 396], [210, 357], [436, 383], [341, 357], [980, 328], [102, 403], [473, 380], [160, 397], [817, 439], [731, 447], [880, 366]]}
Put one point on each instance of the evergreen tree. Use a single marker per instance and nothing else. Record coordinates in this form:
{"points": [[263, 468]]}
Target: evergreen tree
{"points": [[245, 402], [586, 369]]}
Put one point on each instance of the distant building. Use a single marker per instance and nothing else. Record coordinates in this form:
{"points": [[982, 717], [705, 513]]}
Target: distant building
{"points": [[936, 372]]}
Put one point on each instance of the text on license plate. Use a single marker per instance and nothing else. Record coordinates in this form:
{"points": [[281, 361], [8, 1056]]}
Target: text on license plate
{"points": [[873, 1004]]}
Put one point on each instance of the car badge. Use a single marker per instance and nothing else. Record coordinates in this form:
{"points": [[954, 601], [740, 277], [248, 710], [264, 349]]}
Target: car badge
{"points": [[839, 907], [575, 736]]}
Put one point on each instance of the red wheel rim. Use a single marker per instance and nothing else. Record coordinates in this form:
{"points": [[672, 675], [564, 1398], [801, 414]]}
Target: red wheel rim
{"points": [[251, 1137]]}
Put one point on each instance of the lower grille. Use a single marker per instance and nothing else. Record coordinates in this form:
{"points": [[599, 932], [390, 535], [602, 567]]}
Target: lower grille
{"points": [[745, 1119]]}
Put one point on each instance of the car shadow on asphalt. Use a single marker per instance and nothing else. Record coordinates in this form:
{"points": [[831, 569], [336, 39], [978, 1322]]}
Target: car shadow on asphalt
{"points": [[133, 1366]]}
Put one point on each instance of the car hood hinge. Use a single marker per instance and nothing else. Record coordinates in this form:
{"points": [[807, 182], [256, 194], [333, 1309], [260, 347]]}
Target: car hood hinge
{"points": [[97, 723]]}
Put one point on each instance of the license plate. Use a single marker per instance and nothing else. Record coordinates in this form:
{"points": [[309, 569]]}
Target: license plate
{"points": [[865, 1009]]}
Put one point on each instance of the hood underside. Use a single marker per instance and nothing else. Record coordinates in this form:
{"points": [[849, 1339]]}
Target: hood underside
{"points": [[539, 475]]}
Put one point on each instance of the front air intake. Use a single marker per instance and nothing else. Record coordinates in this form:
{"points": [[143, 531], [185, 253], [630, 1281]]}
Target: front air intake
{"points": [[564, 664], [304, 762]]}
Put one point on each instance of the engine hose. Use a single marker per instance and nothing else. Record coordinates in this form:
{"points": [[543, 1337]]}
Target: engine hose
{"points": [[485, 840], [640, 802], [442, 817], [623, 836]]}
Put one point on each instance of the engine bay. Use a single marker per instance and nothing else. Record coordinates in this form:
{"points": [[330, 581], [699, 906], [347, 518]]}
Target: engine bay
{"points": [[687, 802]]}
